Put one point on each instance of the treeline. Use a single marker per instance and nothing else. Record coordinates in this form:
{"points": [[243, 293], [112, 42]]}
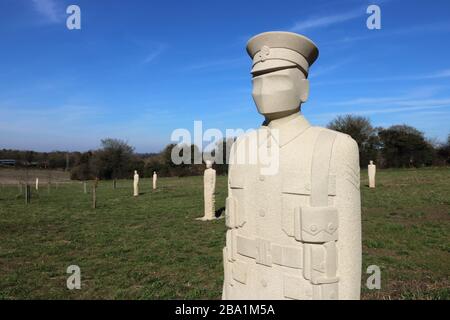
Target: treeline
{"points": [[43, 160], [116, 160], [399, 146], [394, 147]]}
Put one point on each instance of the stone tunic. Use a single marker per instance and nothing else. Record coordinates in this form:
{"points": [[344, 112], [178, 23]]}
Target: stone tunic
{"points": [[209, 181], [371, 170], [136, 185], [155, 178], [295, 234]]}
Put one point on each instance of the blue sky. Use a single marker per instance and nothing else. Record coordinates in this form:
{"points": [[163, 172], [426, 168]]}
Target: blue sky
{"points": [[139, 69]]}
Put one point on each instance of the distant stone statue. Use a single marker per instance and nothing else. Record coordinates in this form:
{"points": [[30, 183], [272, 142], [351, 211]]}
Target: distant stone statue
{"points": [[155, 178], [372, 170], [136, 184], [209, 189], [293, 209], [37, 183]]}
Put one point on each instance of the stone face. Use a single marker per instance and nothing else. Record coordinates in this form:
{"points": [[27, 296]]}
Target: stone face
{"points": [[372, 170], [136, 184], [294, 232], [209, 190], [155, 179]]}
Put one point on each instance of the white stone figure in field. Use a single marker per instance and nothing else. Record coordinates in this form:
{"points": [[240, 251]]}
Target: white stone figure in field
{"points": [[293, 209], [155, 178], [37, 183], [136, 184], [209, 190], [372, 170]]}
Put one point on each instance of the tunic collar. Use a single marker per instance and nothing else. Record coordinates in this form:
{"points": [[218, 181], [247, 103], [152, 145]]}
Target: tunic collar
{"points": [[288, 128]]}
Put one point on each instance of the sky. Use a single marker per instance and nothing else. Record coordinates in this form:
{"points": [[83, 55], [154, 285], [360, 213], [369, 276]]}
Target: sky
{"points": [[139, 69]]}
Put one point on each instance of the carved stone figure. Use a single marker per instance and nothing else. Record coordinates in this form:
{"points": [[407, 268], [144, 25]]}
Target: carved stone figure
{"points": [[155, 178], [209, 189], [136, 184], [372, 170], [293, 207]]}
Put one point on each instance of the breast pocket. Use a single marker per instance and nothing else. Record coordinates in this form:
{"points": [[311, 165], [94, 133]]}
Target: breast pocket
{"points": [[235, 203]]}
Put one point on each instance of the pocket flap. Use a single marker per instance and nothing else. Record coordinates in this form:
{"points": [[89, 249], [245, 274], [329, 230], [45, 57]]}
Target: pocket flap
{"points": [[236, 180], [319, 224]]}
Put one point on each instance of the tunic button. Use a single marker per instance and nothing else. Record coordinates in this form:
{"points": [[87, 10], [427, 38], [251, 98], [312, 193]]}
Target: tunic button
{"points": [[331, 227], [261, 178], [313, 228], [262, 213], [264, 283]]}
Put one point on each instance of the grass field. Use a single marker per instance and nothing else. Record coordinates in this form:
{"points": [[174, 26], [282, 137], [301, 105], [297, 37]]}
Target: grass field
{"points": [[151, 247]]}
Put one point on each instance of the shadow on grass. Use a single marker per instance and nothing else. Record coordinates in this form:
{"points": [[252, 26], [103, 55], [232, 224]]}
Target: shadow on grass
{"points": [[219, 212]]}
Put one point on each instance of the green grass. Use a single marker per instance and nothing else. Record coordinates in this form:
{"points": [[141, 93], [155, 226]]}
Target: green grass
{"points": [[406, 232], [151, 247]]}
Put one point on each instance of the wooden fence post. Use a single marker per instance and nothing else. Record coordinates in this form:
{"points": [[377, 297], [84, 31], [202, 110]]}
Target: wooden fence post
{"points": [[27, 194], [94, 193]]}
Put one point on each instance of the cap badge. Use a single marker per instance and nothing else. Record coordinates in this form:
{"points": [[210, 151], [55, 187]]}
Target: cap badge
{"points": [[265, 52]]}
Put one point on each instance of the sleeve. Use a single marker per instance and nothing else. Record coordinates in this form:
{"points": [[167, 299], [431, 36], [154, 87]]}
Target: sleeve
{"points": [[345, 163]]}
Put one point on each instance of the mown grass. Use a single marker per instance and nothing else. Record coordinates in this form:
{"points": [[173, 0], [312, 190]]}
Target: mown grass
{"points": [[151, 247], [406, 225]]}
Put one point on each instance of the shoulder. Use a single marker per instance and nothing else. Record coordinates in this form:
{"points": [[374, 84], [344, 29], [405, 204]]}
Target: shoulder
{"points": [[344, 149], [342, 142]]}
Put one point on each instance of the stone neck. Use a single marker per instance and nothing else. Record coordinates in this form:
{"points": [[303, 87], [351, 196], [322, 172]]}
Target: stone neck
{"points": [[280, 122], [288, 128]]}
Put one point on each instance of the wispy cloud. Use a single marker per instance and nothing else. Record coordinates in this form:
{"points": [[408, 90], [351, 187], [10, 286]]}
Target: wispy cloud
{"points": [[417, 96], [441, 27], [420, 100], [54, 116], [48, 128], [49, 10], [440, 74], [322, 70], [148, 49], [152, 55], [325, 21], [409, 108], [216, 64], [395, 101], [387, 110]]}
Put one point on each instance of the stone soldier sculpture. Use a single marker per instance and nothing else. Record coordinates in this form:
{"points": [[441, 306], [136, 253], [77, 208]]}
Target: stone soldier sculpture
{"points": [[294, 233], [209, 190], [372, 170], [135, 184], [155, 178]]}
